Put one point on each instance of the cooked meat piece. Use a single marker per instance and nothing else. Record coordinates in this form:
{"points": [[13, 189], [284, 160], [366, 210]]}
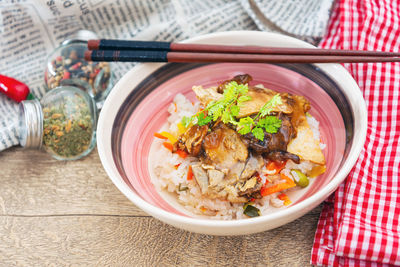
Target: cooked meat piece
{"points": [[253, 164], [205, 96], [250, 186], [201, 177], [224, 147], [276, 141], [235, 172], [193, 139], [240, 79], [282, 156], [300, 107], [259, 97], [233, 195], [215, 177]]}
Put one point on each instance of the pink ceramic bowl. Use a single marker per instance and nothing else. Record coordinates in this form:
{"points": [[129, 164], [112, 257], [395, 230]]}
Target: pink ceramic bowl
{"points": [[137, 107]]}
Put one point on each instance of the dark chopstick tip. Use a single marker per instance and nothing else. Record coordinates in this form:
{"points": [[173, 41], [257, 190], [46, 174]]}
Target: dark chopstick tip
{"points": [[93, 44], [88, 55]]}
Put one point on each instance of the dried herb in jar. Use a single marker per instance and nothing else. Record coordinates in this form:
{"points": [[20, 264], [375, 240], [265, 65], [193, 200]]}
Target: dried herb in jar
{"points": [[67, 127]]}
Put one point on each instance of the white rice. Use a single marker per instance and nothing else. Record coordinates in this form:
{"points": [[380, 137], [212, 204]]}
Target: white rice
{"points": [[170, 177]]}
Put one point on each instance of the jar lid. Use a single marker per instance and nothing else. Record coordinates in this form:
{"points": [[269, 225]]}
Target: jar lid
{"points": [[30, 124]]}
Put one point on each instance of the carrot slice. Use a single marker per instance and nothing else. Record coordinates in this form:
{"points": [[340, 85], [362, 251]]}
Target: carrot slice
{"points": [[168, 146], [288, 179], [190, 173], [265, 191], [275, 167], [182, 153], [285, 198], [160, 136]]}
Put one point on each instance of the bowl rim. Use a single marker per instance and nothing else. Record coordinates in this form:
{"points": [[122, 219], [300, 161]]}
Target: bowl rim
{"points": [[116, 97]]}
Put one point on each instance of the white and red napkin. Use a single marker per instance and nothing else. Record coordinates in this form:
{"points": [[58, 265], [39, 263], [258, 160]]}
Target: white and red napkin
{"points": [[359, 225]]}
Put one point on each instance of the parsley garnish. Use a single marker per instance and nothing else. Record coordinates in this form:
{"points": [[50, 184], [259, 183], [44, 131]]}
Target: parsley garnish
{"points": [[271, 124], [186, 121], [202, 119], [227, 109], [267, 108]]}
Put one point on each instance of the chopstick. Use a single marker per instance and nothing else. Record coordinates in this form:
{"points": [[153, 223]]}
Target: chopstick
{"points": [[122, 45], [149, 51], [163, 56]]}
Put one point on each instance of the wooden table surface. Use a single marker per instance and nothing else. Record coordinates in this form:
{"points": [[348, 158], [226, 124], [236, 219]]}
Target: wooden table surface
{"points": [[56, 213]]}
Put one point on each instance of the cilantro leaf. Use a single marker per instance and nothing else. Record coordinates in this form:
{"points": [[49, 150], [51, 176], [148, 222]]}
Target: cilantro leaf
{"points": [[202, 119], [234, 110], [215, 110], [258, 133], [271, 124], [242, 99], [245, 125], [186, 121], [267, 108]]}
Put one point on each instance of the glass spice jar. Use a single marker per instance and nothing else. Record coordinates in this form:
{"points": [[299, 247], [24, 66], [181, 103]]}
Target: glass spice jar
{"points": [[63, 123], [66, 66]]}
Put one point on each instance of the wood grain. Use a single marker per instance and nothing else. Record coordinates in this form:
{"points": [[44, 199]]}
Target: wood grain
{"points": [[33, 183], [144, 241], [56, 213]]}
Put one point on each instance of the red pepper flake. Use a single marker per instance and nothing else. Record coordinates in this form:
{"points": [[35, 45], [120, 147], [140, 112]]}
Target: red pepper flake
{"points": [[252, 199], [190, 173], [168, 146], [66, 75], [160, 136], [76, 66], [177, 166], [182, 153]]}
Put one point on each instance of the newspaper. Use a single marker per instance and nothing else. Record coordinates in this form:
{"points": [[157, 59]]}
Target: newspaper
{"points": [[30, 30]]}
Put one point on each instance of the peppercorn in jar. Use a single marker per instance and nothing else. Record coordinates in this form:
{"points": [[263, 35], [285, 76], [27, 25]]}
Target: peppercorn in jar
{"points": [[66, 66]]}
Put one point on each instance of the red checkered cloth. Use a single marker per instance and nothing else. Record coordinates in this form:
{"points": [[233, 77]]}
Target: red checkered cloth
{"points": [[359, 225]]}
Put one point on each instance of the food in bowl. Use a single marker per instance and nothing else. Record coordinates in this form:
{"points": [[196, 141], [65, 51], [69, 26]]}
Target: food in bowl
{"points": [[238, 151]]}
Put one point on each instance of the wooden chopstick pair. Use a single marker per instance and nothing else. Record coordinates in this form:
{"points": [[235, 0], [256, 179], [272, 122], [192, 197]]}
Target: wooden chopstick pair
{"points": [[148, 51]]}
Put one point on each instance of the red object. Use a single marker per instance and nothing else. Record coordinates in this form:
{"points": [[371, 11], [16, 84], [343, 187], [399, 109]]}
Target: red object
{"points": [[13, 89], [360, 224], [76, 66], [275, 165], [182, 153], [190, 173], [160, 136], [66, 75], [265, 191], [168, 146]]}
